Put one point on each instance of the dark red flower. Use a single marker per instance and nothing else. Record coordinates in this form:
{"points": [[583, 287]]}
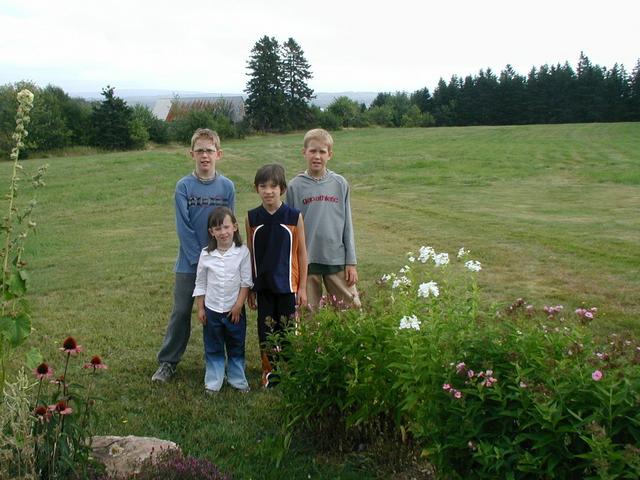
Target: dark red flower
{"points": [[70, 346], [96, 362], [42, 413], [43, 371]]}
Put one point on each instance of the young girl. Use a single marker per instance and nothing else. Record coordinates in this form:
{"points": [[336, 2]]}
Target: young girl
{"points": [[223, 280]]}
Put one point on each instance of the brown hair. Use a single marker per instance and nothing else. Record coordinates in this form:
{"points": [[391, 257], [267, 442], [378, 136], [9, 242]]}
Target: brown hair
{"points": [[216, 218], [207, 134]]}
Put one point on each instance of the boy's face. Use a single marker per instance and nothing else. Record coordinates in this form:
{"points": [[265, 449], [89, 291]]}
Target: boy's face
{"points": [[205, 155], [270, 193], [317, 154]]}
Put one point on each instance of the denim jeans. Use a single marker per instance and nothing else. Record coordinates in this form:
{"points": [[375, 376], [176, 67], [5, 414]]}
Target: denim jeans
{"points": [[219, 334], [179, 327]]}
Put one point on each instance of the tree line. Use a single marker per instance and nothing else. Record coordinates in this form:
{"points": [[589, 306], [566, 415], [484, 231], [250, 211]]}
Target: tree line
{"points": [[548, 94], [279, 99]]}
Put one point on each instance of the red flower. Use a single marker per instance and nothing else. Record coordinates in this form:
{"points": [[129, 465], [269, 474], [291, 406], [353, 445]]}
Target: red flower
{"points": [[70, 346], [96, 362], [42, 413], [43, 371], [62, 407]]}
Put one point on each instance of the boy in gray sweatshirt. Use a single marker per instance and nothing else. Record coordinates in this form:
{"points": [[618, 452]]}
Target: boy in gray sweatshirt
{"points": [[323, 198]]}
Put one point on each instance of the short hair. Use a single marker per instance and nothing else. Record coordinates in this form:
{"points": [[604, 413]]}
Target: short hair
{"points": [[208, 134], [216, 218], [321, 135], [272, 172]]}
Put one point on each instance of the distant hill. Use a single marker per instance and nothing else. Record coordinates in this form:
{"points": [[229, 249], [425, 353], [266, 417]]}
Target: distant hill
{"points": [[150, 97]]}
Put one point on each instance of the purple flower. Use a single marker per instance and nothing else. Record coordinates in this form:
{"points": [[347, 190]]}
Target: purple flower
{"points": [[597, 375]]}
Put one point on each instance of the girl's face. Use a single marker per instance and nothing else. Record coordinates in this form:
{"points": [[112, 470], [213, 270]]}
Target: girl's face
{"points": [[223, 233]]}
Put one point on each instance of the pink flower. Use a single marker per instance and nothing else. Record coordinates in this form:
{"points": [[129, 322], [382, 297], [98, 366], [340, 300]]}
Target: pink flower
{"points": [[96, 362], [446, 387], [597, 375], [470, 373], [457, 394], [70, 346], [43, 371], [461, 367], [61, 407]]}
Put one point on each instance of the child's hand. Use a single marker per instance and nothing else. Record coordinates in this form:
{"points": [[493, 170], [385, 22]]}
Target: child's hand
{"points": [[251, 299], [301, 299], [202, 317], [234, 314], [351, 275]]}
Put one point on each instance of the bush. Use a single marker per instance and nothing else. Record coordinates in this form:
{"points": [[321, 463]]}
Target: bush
{"points": [[173, 465], [185, 124], [530, 393], [112, 123], [157, 130]]}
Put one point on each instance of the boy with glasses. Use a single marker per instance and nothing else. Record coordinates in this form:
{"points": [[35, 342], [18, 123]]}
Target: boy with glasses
{"points": [[196, 195]]}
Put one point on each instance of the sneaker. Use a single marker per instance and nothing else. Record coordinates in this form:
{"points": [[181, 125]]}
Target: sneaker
{"points": [[270, 380], [208, 391], [164, 373]]}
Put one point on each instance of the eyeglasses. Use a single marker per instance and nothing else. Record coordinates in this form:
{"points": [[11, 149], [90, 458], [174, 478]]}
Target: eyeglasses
{"points": [[200, 151]]}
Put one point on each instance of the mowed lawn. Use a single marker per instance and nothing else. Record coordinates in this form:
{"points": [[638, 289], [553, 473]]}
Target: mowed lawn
{"points": [[552, 212]]}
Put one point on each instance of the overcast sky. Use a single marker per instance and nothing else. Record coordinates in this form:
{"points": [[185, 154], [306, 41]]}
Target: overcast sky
{"points": [[197, 45]]}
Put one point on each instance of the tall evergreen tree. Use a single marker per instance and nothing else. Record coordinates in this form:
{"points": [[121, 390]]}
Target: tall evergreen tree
{"points": [[266, 99], [112, 122], [633, 102], [295, 73]]}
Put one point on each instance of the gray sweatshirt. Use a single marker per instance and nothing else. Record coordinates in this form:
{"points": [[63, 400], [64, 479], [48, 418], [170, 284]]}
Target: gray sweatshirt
{"points": [[326, 210]]}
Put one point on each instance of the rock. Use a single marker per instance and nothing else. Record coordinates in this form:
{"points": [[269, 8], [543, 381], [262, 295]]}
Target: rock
{"points": [[122, 456]]}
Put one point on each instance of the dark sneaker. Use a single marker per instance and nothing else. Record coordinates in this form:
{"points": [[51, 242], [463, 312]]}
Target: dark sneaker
{"points": [[271, 380], [164, 373], [208, 391]]}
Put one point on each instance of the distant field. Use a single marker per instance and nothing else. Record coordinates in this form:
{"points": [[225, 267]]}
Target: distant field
{"points": [[552, 212]]}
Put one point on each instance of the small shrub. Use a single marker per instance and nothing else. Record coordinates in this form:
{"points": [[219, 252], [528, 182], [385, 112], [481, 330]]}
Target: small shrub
{"points": [[173, 465]]}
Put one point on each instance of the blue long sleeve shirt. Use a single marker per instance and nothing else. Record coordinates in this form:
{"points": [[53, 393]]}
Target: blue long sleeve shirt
{"points": [[194, 199]]}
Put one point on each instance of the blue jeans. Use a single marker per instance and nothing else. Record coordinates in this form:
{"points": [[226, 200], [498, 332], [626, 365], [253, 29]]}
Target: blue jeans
{"points": [[220, 333]]}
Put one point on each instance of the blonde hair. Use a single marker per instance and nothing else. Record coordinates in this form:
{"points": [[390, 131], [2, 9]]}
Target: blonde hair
{"points": [[207, 134], [321, 135]]}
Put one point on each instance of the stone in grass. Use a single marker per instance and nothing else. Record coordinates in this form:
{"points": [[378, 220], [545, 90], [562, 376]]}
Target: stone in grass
{"points": [[123, 456]]}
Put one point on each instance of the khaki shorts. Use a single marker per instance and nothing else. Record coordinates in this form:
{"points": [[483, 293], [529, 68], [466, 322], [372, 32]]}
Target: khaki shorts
{"points": [[335, 285]]}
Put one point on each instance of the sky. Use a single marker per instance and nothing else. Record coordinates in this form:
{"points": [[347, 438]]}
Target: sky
{"points": [[364, 46]]}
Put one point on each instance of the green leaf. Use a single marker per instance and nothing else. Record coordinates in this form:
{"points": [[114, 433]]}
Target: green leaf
{"points": [[16, 285], [33, 358], [15, 329]]}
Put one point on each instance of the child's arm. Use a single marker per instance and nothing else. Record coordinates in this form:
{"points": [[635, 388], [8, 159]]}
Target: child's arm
{"points": [[252, 294], [351, 274], [236, 310], [200, 288], [302, 265], [202, 316], [186, 234]]}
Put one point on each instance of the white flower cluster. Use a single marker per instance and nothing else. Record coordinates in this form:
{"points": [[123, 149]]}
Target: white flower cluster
{"points": [[426, 253], [400, 281], [429, 288], [473, 265], [462, 252], [441, 259], [409, 322]]}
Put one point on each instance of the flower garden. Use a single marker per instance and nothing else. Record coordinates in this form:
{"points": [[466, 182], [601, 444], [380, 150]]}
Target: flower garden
{"points": [[433, 367]]}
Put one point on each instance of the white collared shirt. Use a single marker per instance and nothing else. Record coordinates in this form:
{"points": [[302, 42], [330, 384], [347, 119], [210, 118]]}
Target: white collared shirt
{"points": [[220, 276]]}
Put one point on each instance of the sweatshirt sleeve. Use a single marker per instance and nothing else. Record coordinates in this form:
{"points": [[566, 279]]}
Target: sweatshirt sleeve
{"points": [[186, 233], [348, 236], [201, 277]]}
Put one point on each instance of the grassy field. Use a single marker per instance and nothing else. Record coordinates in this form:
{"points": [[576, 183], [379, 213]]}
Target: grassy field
{"points": [[552, 212]]}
